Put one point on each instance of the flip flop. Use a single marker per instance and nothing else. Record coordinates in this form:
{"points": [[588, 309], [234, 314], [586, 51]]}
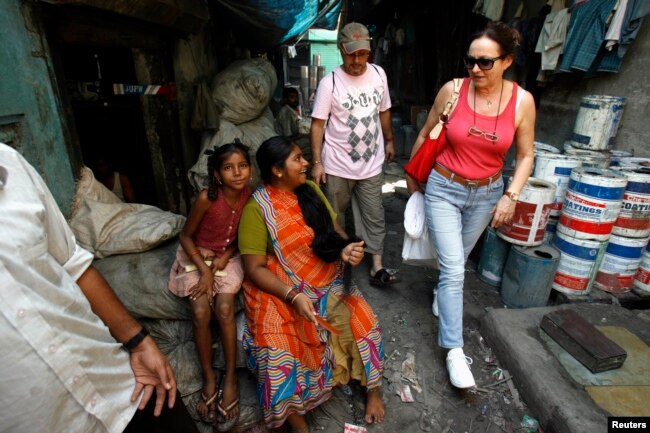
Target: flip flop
{"points": [[382, 278], [221, 423], [211, 405]]}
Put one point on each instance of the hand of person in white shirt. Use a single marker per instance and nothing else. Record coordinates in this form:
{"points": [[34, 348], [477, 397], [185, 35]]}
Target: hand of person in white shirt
{"points": [[152, 371], [150, 367]]}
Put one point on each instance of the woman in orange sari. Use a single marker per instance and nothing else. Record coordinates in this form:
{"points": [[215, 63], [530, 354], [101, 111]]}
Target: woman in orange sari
{"points": [[308, 327]]}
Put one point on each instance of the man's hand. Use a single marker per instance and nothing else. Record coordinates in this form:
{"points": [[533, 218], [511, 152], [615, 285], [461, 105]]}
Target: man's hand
{"points": [[152, 371], [318, 173], [390, 150]]}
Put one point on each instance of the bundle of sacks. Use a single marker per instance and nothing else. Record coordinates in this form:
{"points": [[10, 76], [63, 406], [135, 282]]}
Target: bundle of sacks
{"points": [[242, 92]]}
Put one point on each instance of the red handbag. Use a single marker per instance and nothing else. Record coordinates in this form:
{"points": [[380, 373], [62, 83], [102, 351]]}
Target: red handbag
{"points": [[420, 165]]}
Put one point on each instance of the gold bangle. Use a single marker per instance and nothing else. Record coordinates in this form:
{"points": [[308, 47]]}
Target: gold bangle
{"points": [[286, 295]]}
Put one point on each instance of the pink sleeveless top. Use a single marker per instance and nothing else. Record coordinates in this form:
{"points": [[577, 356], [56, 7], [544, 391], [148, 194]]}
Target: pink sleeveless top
{"points": [[218, 228], [475, 157]]}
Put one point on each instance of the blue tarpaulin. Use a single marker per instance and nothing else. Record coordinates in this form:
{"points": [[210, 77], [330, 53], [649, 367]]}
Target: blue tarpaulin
{"points": [[268, 23]]}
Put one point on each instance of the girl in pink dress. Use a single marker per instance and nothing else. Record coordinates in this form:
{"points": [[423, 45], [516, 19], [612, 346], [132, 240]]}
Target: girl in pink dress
{"points": [[208, 270]]}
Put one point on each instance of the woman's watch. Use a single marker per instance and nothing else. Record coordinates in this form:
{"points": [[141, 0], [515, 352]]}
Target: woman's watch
{"points": [[513, 196]]}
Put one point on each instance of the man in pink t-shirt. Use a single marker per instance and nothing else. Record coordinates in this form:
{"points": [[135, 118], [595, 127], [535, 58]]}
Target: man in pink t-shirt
{"points": [[351, 138]]}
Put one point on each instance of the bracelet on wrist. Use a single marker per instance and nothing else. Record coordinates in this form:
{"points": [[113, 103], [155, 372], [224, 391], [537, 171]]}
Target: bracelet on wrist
{"points": [[294, 298], [389, 139], [135, 340], [195, 253], [288, 292], [290, 296], [316, 163]]}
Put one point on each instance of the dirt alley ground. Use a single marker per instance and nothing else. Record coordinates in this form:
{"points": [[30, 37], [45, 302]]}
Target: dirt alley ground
{"points": [[410, 333]]}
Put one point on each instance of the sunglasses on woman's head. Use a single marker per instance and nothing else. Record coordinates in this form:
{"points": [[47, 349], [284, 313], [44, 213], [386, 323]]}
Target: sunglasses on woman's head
{"points": [[484, 63]]}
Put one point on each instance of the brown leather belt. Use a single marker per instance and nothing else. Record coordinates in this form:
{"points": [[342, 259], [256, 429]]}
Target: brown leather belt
{"points": [[467, 183]]}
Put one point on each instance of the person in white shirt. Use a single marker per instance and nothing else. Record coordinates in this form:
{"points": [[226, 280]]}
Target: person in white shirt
{"points": [[63, 331]]}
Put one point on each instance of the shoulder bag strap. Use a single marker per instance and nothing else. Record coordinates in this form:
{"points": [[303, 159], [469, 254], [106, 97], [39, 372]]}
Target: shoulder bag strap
{"points": [[437, 129]]}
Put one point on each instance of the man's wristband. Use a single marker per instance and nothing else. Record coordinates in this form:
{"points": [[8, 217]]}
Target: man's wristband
{"points": [[389, 139], [136, 340]]}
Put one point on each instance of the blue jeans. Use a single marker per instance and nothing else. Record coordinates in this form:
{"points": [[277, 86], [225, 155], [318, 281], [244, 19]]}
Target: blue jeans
{"points": [[456, 217]]}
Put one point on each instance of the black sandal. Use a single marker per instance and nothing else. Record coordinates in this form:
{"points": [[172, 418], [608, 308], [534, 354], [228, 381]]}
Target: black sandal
{"points": [[382, 278]]}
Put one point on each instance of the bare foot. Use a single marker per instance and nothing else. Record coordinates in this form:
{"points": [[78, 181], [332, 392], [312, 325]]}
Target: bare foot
{"points": [[298, 423], [374, 406]]}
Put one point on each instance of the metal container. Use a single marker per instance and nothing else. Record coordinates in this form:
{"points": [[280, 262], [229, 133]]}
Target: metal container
{"points": [[528, 276]]}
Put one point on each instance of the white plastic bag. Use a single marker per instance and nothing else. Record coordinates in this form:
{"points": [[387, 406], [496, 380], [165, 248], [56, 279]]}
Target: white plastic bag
{"points": [[414, 219], [420, 251], [418, 248]]}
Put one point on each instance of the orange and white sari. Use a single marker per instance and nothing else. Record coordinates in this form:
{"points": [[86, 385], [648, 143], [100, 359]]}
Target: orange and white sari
{"points": [[296, 363]]}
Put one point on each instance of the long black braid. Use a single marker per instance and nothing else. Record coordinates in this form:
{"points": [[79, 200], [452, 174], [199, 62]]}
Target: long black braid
{"points": [[216, 156], [327, 243]]}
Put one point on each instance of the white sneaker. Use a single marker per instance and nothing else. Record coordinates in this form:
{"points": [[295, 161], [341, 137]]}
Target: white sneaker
{"points": [[458, 368], [434, 306]]}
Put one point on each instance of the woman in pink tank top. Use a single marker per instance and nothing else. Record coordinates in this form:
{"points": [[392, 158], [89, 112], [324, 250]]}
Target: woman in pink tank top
{"points": [[464, 191]]}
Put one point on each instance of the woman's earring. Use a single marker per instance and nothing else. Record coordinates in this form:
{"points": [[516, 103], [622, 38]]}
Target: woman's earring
{"points": [[219, 180]]}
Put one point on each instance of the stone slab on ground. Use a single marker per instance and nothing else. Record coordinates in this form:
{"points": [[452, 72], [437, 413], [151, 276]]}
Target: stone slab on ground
{"points": [[561, 404]]}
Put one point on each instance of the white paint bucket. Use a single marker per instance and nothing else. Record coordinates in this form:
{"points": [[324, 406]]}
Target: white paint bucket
{"points": [[579, 261], [556, 169], [642, 277], [551, 229], [617, 155], [619, 264], [589, 157], [597, 122], [634, 219], [531, 214], [545, 148], [633, 163], [592, 203]]}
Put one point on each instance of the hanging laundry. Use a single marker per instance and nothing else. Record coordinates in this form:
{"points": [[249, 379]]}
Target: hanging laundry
{"points": [[552, 38], [490, 9], [585, 35], [616, 25], [634, 13]]}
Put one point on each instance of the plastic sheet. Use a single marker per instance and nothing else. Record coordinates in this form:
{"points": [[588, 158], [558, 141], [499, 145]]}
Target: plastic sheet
{"points": [[272, 22]]}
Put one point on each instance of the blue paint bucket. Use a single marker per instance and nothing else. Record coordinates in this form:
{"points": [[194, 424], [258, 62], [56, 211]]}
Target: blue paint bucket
{"points": [[528, 276], [493, 258], [592, 203]]}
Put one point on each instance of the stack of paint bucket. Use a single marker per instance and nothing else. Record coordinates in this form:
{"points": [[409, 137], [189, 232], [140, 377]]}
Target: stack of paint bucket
{"points": [[591, 207], [629, 238], [555, 169], [526, 273], [526, 229]]}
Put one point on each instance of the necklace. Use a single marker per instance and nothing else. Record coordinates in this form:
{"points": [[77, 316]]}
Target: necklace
{"points": [[473, 130]]}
